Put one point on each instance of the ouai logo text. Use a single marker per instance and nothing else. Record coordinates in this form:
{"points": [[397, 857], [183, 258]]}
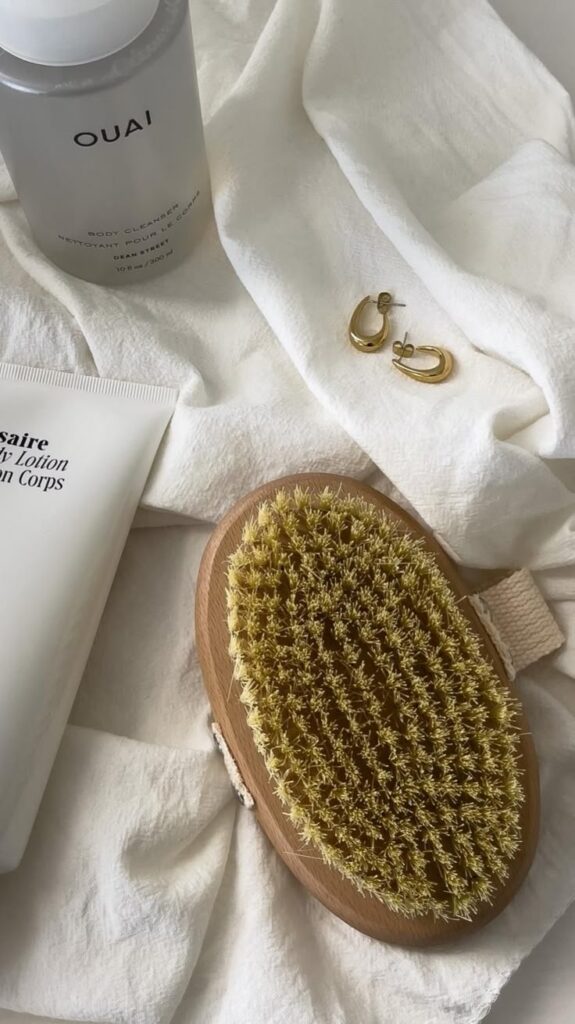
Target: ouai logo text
{"points": [[113, 134]]}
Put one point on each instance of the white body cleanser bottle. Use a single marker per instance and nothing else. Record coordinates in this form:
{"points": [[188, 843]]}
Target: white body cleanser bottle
{"points": [[101, 131]]}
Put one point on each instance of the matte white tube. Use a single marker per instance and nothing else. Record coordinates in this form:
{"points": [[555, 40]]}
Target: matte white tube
{"points": [[75, 453]]}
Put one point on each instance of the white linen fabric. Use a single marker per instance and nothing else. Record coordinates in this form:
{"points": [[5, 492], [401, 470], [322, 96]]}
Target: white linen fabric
{"points": [[401, 144]]}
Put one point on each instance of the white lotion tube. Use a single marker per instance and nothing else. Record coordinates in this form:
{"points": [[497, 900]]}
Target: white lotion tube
{"points": [[75, 453]]}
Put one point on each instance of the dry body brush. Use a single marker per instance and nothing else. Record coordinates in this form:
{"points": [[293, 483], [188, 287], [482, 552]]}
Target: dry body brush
{"points": [[385, 731]]}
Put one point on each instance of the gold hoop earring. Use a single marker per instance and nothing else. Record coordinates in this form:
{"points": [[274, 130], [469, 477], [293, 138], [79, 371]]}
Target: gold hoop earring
{"points": [[371, 342], [432, 375]]}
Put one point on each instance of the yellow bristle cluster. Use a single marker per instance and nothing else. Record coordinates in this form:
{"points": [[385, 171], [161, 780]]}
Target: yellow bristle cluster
{"points": [[389, 738]]}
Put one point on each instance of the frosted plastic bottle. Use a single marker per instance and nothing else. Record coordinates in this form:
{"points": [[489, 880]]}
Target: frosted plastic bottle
{"points": [[101, 131]]}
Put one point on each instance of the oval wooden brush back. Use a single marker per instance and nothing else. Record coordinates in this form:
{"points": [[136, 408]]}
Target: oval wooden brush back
{"points": [[366, 913]]}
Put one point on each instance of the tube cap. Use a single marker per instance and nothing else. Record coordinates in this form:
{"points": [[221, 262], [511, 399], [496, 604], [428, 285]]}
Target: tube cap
{"points": [[67, 32]]}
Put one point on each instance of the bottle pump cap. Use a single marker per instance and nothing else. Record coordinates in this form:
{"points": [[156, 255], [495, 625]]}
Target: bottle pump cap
{"points": [[66, 32]]}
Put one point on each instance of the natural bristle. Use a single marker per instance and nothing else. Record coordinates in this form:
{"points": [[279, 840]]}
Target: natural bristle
{"points": [[388, 736]]}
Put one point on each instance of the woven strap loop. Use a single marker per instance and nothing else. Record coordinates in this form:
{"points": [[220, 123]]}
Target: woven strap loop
{"points": [[519, 620]]}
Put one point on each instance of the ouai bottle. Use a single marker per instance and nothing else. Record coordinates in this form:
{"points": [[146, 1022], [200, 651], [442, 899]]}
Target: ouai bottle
{"points": [[101, 131]]}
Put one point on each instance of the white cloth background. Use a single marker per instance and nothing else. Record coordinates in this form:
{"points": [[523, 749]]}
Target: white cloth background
{"points": [[401, 144]]}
